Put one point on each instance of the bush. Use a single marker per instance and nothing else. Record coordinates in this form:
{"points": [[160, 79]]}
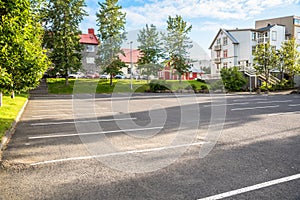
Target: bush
{"points": [[158, 85], [233, 79]]}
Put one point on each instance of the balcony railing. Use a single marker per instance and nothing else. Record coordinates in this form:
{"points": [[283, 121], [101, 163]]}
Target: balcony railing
{"points": [[217, 47], [217, 60]]}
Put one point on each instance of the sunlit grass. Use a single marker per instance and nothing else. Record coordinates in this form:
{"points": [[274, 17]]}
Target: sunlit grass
{"points": [[9, 111]]}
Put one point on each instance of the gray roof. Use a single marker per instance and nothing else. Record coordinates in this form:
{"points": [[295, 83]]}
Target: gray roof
{"points": [[234, 41]]}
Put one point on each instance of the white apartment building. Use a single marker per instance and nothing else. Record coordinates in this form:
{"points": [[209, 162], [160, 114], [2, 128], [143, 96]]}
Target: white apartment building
{"points": [[235, 47]]}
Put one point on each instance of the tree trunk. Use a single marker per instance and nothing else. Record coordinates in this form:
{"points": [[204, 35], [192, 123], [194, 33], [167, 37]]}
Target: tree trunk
{"points": [[1, 99], [67, 79], [267, 82], [12, 95], [111, 80]]}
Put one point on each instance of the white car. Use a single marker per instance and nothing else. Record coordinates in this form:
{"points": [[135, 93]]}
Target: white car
{"points": [[104, 76], [76, 75]]}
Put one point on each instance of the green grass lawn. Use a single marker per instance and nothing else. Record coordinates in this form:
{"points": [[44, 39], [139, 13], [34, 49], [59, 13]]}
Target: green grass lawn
{"points": [[99, 86], [9, 111]]}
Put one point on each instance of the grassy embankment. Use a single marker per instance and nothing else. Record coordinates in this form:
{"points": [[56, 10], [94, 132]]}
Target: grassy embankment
{"points": [[9, 111], [57, 86]]}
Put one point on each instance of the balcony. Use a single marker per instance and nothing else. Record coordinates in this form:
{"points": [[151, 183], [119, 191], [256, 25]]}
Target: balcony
{"points": [[217, 60], [217, 47]]}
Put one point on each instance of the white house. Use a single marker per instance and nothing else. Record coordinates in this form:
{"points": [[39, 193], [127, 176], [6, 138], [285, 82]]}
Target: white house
{"points": [[236, 47]]}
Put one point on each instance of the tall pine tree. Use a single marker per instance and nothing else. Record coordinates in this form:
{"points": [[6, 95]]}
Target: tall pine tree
{"points": [[150, 46], [111, 21], [177, 43]]}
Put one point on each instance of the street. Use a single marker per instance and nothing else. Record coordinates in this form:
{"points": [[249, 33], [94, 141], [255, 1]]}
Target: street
{"points": [[155, 146]]}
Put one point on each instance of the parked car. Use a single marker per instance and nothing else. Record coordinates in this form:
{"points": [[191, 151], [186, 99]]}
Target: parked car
{"points": [[76, 75], [119, 76], [104, 76], [92, 75]]}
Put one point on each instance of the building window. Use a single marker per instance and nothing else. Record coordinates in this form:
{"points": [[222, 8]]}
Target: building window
{"points": [[253, 36], [225, 53], [90, 48], [219, 41], [90, 60], [225, 41], [218, 54], [218, 66], [297, 21], [274, 35], [253, 50], [225, 65]]}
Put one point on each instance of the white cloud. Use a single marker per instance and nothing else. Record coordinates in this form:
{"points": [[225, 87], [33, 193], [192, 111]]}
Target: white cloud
{"points": [[157, 12]]}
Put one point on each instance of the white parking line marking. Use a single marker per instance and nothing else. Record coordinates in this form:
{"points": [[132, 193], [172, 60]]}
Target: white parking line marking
{"points": [[286, 113], [118, 153], [239, 100], [228, 104], [253, 187], [285, 101], [87, 121], [294, 105], [253, 108], [91, 133], [72, 114]]}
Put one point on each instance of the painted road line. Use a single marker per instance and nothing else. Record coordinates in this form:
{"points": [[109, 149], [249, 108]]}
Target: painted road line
{"points": [[91, 133], [285, 113], [74, 122], [294, 105], [253, 108], [118, 153], [252, 188], [228, 104], [240, 100], [72, 114], [285, 101]]}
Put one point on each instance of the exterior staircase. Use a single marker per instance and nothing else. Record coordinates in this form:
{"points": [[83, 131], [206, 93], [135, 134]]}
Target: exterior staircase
{"points": [[251, 72]]}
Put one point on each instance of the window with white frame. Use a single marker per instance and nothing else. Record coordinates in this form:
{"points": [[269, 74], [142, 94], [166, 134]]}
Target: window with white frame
{"points": [[90, 60], [90, 48], [253, 36], [274, 35], [225, 41], [218, 41]]}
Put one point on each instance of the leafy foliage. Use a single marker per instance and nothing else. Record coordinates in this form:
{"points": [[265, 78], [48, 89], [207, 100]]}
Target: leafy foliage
{"points": [[290, 58], [177, 43], [22, 59], [150, 47], [111, 22], [233, 79], [265, 59], [62, 19]]}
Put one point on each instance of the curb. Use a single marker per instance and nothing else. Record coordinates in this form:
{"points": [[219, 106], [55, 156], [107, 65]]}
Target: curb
{"points": [[11, 131]]}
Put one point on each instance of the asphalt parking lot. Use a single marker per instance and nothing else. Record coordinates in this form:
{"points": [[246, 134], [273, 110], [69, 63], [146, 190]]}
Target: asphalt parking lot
{"points": [[155, 147]]}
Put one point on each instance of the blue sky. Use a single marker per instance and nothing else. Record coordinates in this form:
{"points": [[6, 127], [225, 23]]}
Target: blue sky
{"points": [[206, 16]]}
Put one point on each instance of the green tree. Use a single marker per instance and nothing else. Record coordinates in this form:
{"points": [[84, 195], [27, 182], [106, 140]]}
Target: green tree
{"points": [[265, 60], [177, 43], [150, 47], [62, 35], [233, 79], [111, 22], [290, 59], [22, 58]]}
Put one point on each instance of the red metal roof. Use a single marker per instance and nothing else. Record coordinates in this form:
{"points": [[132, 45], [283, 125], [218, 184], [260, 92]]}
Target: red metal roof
{"points": [[89, 38], [135, 56]]}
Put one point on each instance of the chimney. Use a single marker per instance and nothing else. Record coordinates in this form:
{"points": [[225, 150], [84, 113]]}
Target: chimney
{"points": [[91, 31]]}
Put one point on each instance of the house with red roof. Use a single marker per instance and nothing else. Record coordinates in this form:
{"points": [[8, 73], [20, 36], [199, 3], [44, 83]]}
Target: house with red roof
{"points": [[89, 53], [130, 58]]}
